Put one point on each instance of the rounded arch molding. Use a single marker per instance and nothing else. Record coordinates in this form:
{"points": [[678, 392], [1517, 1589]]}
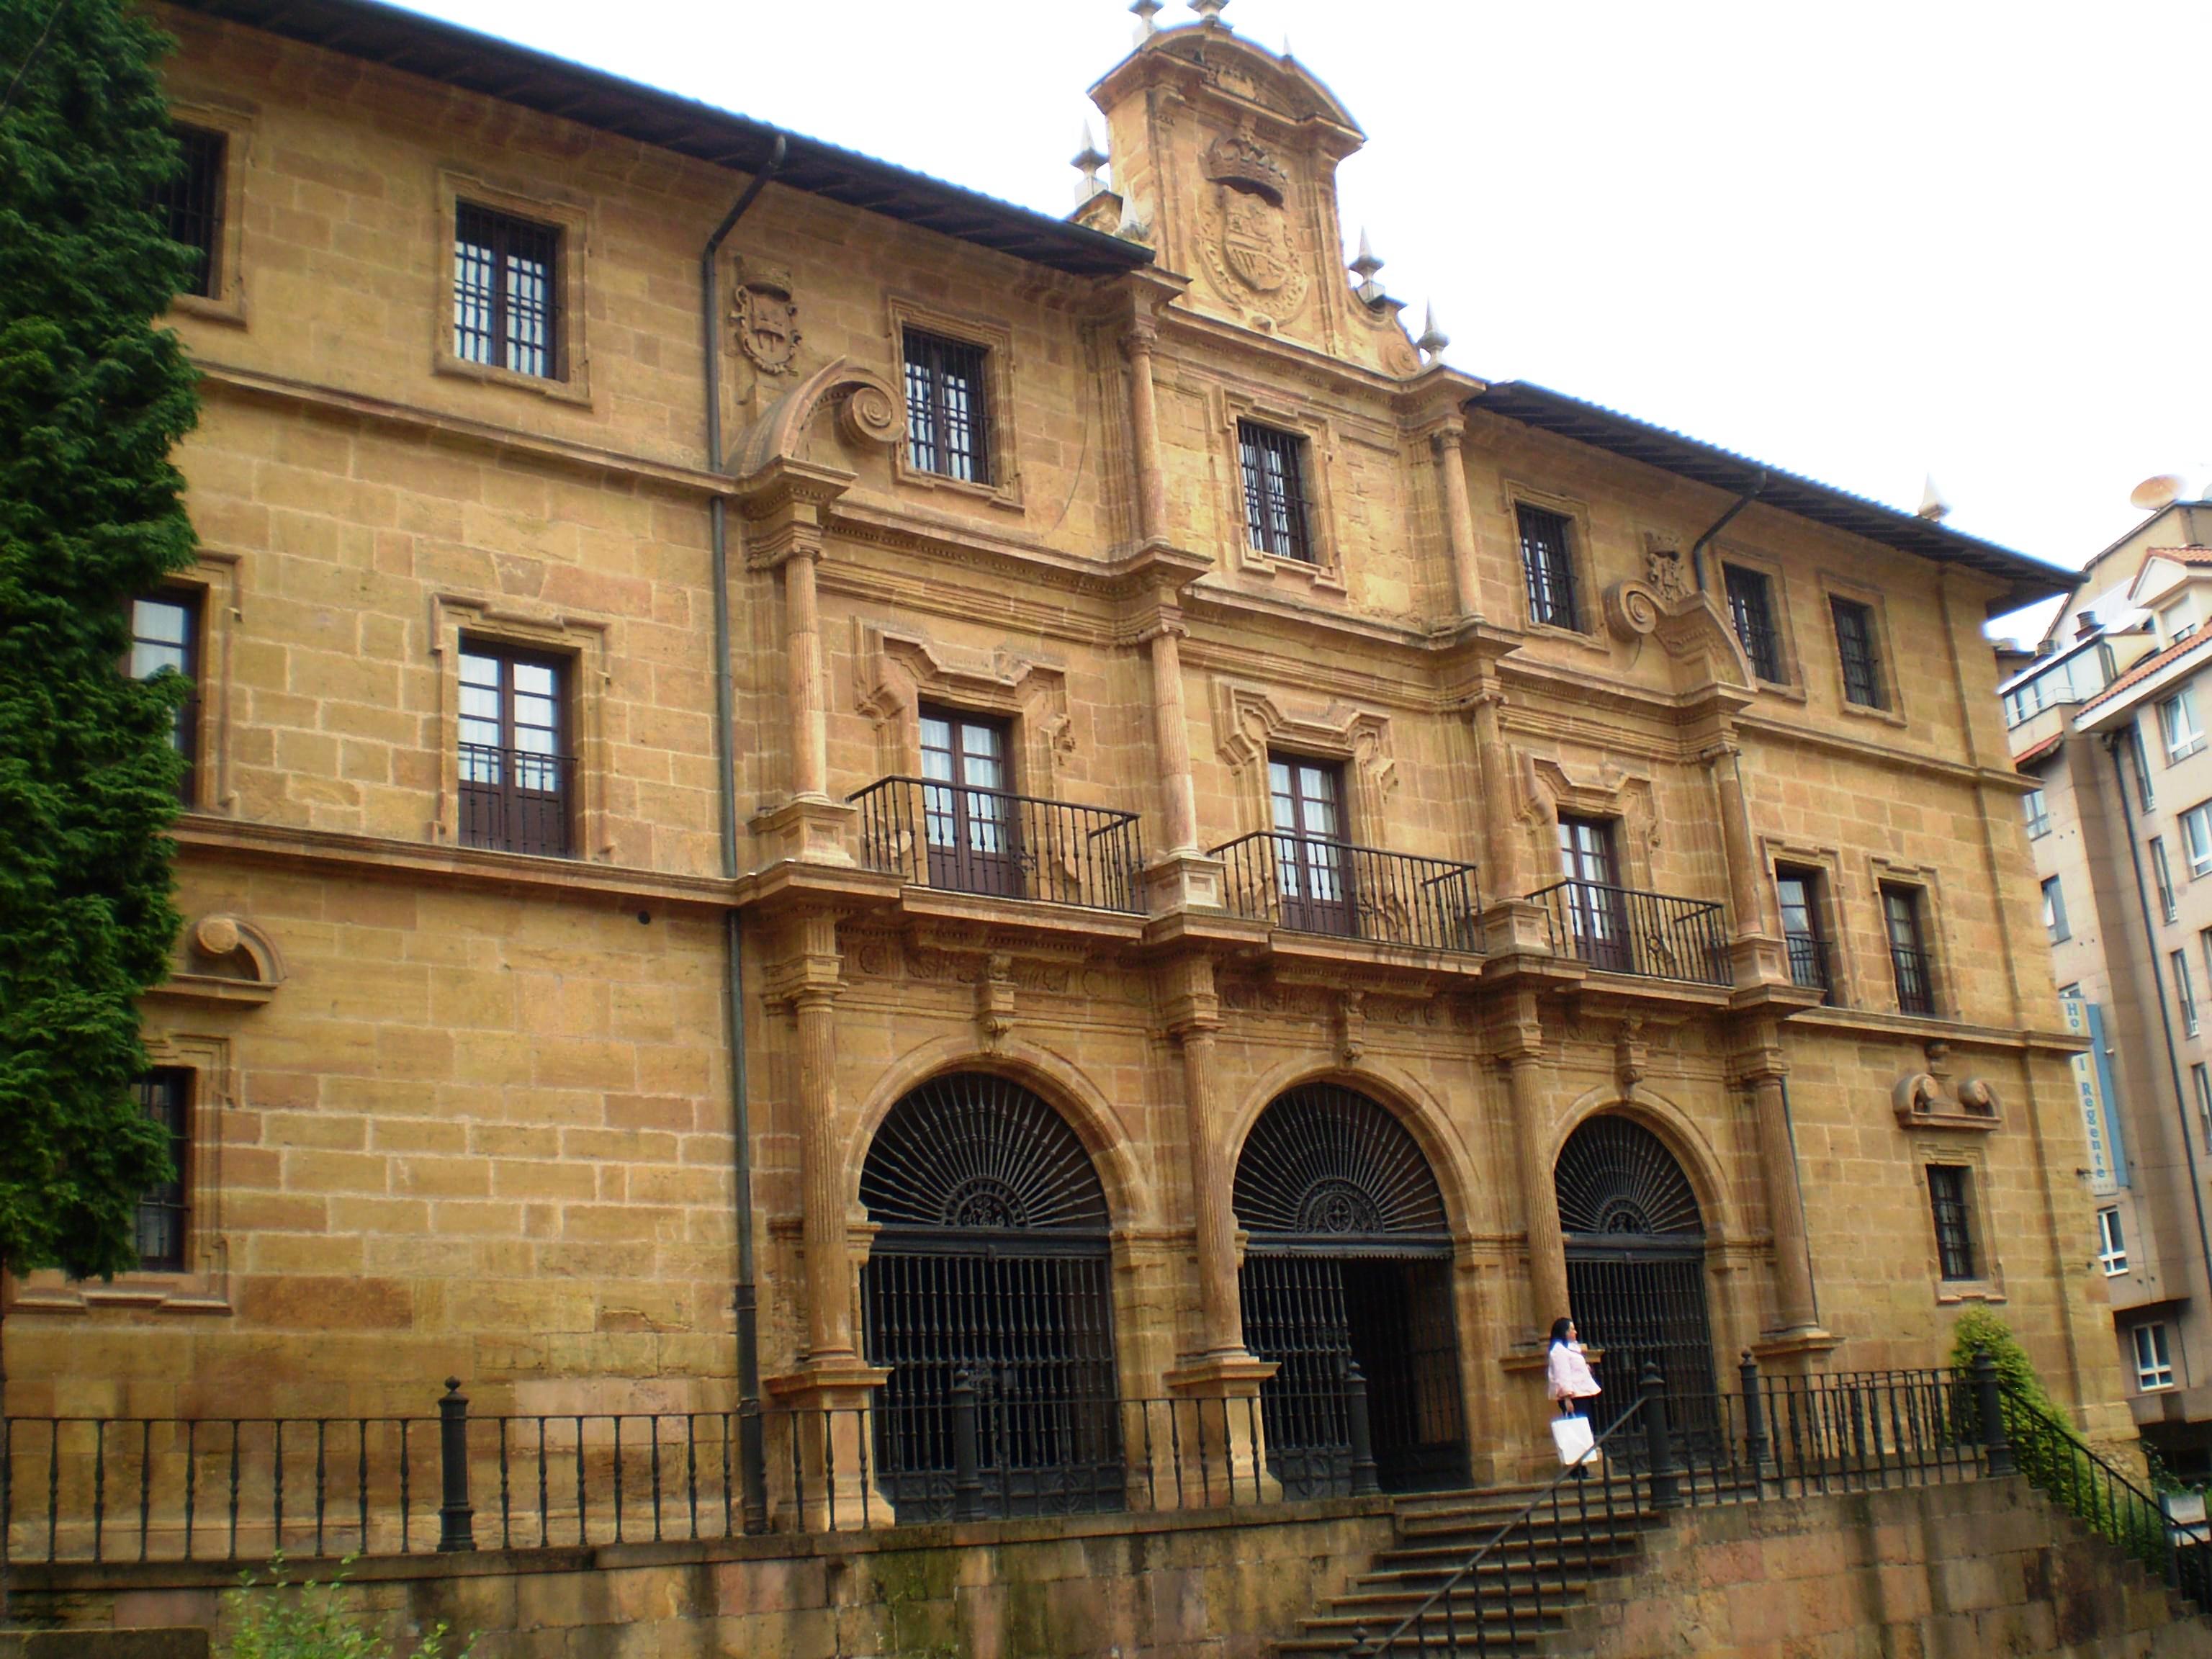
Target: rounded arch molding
{"points": [[1418, 1111], [1685, 1142], [1130, 1198]]}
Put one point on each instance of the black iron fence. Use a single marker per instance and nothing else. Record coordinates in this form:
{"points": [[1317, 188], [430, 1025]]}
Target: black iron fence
{"points": [[243, 1489], [1619, 930], [1778, 1437], [965, 840], [1305, 884], [1810, 965]]}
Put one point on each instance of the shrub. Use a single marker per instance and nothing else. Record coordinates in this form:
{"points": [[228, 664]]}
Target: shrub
{"points": [[276, 1618]]}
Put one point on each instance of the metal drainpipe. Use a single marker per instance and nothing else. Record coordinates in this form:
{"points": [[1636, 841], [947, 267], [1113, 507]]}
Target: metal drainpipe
{"points": [[2165, 1014], [1697, 551], [751, 1454]]}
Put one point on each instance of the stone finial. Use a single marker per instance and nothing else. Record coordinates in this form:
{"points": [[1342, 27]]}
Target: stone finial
{"points": [[1365, 268], [1088, 159], [1433, 339], [1932, 506], [1209, 11], [1146, 10]]}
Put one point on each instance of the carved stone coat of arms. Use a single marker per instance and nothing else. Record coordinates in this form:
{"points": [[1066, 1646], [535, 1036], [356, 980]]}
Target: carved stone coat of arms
{"points": [[766, 318]]}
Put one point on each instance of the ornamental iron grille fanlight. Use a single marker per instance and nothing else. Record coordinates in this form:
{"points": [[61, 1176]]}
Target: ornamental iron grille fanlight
{"points": [[1349, 1262], [1636, 1268], [993, 1264]]}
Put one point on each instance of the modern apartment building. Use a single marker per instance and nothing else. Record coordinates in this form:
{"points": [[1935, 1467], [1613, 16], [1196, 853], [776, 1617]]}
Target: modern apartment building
{"points": [[2107, 723]]}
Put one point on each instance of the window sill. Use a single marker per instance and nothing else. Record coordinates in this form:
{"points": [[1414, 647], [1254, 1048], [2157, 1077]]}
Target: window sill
{"points": [[573, 390], [229, 308], [1787, 689], [1862, 711], [2175, 756], [1567, 635], [1006, 496], [1949, 1292], [1316, 572]]}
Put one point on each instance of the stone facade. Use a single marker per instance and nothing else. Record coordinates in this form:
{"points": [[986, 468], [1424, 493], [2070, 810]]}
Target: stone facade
{"points": [[467, 1111]]}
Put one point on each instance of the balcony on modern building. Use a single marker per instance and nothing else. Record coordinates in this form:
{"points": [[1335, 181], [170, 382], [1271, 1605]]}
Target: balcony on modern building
{"points": [[1309, 884], [957, 838], [1620, 930]]}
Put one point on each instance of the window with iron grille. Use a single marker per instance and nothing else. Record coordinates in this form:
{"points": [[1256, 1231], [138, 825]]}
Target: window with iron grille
{"points": [[1751, 607], [190, 206], [2153, 1359], [2111, 1244], [1276, 518], [1954, 1229], [1908, 950], [517, 783], [2037, 810], [1547, 566], [166, 1097], [507, 292], [1798, 893], [2162, 875], [948, 408], [1854, 650], [165, 637]]}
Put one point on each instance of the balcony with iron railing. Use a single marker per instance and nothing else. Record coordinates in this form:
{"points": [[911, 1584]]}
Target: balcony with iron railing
{"points": [[958, 839], [517, 800], [1305, 884], [1619, 930], [1810, 964], [1914, 970]]}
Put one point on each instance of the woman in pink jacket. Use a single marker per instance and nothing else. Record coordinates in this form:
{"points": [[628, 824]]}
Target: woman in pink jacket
{"points": [[1571, 1381]]}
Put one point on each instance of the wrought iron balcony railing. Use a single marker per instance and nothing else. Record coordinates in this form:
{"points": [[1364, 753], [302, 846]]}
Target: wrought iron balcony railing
{"points": [[1307, 885], [1809, 964], [517, 800], [1915, 972], [1618, 930], [963, 840]]}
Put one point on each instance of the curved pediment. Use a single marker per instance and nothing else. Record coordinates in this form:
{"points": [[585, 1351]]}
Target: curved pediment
{"points": [[1281, 86], [1698, 641], [868, 412]]}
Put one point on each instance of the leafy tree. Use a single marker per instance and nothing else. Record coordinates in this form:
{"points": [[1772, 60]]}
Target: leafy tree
{"points": [[92, 396]]}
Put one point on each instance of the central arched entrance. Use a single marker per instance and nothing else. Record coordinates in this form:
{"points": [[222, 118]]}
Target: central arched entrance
{"points": [[1349, 1262], [1636, 1267], [993, 1262]]}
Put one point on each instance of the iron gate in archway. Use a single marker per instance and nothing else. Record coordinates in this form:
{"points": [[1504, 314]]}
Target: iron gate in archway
{"points": [[992, 1263], [1349, 1262], [1636, 1268]]}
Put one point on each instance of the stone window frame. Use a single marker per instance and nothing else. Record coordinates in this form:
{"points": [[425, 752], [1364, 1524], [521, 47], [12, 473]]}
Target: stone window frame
{"points": [[1252, 721], [573, 217], [236, 124], [582, 642], [1827, 863], [1988, 1283], [1590, 597], [1630, 800], [1792, 684], [1934, 930], [1834, 586], [1001, 371], [212, 580], [204, 1285], [898, 671], [1316, 432]]}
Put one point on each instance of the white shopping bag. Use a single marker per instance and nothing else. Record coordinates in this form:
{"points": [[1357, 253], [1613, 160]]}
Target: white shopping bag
{"points": [[1573, 1438]]}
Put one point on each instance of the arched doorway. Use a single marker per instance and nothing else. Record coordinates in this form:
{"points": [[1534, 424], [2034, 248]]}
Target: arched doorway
{"points": [[1636, 1265], [992, 1261], [1349, 1262]]}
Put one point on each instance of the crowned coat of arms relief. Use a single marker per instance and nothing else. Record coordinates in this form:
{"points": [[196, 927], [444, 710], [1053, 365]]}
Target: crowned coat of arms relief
{"points": [[1248, 243], [765, 317]]}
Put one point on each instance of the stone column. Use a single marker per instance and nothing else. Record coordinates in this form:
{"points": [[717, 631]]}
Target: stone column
{"points": [[1221, 1314], [1171, 733], [1757, 955], [802, 639], [1448, 443], [1521, 1046], [1137, 342], [1762, 1071], [821, 1176], [1510, 924]]}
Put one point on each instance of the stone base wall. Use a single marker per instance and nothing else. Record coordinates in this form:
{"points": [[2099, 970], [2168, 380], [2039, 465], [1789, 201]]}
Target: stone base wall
{"points": [[1936, 1572], [1220, 1584]]}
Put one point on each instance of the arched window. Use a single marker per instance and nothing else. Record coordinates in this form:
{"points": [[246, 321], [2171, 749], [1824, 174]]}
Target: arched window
{"points": [[992, 1263], [1636, 1265], [1349, 1262]]}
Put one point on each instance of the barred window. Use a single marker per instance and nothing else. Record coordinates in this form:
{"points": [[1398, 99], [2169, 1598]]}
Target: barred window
{"points": [[1909, 959], [1855, 649], [166, 1097], [507, 292], [1548, 567], [190, 206], [1275, 491], [948, 417], [1751, 607], [1954, 1232]]}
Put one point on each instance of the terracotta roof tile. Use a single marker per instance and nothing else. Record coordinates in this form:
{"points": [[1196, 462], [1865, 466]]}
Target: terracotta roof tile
{"points": [[2150, 665], [2035, 752]]}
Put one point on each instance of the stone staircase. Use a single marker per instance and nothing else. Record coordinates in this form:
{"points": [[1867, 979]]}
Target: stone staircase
{"points": [[1434, 1536]]}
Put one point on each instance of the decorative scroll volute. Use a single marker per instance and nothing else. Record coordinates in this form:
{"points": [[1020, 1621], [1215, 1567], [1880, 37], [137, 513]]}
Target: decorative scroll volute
{"points": [[868, 412]]}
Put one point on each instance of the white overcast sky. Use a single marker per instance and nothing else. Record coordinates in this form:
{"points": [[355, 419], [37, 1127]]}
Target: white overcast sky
{"points": [[1865, 242]]}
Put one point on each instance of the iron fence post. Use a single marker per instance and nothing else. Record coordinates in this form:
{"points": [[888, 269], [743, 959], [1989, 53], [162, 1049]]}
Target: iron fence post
{"points": [[1755, 1419], [457, 1521], [1659, 1446], [967, 1476], [1989, 1401], [1364, 1483], [753, 1466]]}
